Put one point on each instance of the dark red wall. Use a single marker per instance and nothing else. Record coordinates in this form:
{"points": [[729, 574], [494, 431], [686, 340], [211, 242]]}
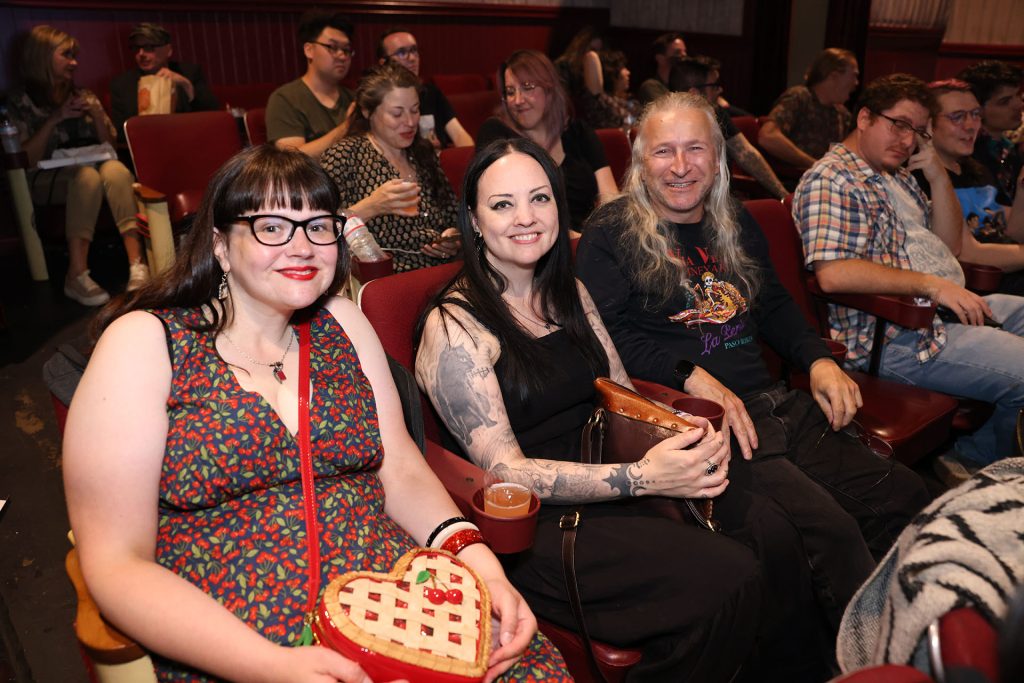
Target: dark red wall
{"points": [[254, 42]]}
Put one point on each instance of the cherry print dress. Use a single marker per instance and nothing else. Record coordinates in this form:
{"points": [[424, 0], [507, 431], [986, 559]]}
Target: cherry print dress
{"points": [[231, 515]]}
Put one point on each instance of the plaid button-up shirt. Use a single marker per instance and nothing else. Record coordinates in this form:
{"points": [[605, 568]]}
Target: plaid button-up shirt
{"points": [[843, 211]]}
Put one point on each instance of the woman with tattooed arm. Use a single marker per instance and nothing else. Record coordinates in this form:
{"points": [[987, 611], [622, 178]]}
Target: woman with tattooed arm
{"points": [[508, 354]]}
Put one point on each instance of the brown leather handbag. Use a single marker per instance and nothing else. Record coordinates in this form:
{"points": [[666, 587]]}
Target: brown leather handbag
{"points": [[625, 425]]}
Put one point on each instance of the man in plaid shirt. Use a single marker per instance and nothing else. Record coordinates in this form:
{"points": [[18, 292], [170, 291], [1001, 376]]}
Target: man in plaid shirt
{"points": [[868, 228]]}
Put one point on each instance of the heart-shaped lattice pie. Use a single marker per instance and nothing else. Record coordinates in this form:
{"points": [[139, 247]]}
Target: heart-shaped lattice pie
{"points": [[428, 620]]}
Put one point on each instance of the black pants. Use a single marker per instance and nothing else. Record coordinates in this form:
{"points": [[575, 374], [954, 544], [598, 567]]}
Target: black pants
{"points": [[695, 602], [848, 503]]}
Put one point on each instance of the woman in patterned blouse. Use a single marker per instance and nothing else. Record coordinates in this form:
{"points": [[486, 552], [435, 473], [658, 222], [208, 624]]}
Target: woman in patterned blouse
{"points": [[389, 176]]}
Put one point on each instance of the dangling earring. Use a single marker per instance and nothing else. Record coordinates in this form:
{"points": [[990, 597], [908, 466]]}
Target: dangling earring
{"points": [[222, 290], [478, 241]]}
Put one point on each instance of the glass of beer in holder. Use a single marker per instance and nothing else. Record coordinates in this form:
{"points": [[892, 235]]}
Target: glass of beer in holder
{"points": [[506, 513]]}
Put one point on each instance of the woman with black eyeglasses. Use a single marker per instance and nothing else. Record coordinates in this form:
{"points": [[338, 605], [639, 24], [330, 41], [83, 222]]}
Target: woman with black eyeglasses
{"points": [[535, 106], [182, 455]]}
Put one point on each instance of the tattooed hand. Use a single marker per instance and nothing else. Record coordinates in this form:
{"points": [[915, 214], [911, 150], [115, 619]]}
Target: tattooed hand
{"points": [[678, 467]]}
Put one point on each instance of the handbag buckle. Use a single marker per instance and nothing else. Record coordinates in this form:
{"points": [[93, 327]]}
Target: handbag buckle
{"points": [[570, 520]]}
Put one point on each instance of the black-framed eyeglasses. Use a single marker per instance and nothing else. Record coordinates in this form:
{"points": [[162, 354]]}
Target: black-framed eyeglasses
{"points": [[717, 85], [958, 117], [277, 231], [336, 50], [901, 127], [526, 89], [404, 52]]}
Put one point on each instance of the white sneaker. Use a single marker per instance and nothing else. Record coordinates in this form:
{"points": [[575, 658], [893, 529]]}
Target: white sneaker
{"points": [[85, 291], [138, 275]]}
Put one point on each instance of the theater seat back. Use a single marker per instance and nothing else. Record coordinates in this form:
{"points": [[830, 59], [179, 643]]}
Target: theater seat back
{"points": [[617, 150], [177, 154], [454, 162], [473, 108], [786, 252], [256, 125]]}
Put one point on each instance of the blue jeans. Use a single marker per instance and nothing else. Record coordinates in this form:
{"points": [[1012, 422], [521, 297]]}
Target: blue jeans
{"points": [[984, 363]]}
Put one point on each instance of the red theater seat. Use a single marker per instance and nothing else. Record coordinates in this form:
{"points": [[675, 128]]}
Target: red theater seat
{"points": [[454, 161], [617, 150], [256, 125], [473, 108], [175, 155]]}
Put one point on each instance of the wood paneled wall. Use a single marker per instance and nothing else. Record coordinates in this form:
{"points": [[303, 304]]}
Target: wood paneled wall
{"points": [[254, 42]]}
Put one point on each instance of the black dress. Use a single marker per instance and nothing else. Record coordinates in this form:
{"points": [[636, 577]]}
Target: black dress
{"points": [[689, 598]]}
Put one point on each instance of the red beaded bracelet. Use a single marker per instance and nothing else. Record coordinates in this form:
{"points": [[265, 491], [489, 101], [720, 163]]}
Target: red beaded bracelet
{"points": [[462, 539]]}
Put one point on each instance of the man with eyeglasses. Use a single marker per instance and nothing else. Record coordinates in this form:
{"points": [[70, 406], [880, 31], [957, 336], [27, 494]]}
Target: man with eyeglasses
{"points": [[399, 46], [311, 112], [695, 75], [997, 85], [955, 129], [152, 50], [868, 228]]}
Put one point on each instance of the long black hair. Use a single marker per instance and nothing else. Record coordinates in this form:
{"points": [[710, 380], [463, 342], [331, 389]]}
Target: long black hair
{"points": [[252, 179], [478, 286]]}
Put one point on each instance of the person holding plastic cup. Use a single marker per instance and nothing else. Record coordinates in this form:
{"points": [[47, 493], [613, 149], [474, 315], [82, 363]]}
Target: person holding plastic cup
{"points": [[389, 176]]}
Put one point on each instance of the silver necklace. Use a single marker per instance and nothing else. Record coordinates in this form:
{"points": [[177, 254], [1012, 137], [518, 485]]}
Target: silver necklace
{"points": [[532, 319], [276, 368]]}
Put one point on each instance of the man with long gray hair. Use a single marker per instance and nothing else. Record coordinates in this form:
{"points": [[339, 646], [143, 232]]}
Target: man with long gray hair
{"points": [[682, 278]]}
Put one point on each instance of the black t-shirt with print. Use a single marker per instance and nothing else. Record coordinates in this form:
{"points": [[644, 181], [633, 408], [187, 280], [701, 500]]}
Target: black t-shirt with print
{"points": [[709, 321]]}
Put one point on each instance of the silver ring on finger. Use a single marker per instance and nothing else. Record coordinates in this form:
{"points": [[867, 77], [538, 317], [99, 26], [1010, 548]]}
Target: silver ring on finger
{"points": [[712, 467]]}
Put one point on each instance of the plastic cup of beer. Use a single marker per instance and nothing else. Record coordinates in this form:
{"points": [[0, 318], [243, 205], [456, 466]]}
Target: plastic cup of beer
{"points": [[413, 208], [506, 499]]}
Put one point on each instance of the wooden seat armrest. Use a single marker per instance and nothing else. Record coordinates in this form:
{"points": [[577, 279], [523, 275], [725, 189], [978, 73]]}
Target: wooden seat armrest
{"points": [[101, 641], [980, 278], [905, 311], [460, 477], [147, 194]]}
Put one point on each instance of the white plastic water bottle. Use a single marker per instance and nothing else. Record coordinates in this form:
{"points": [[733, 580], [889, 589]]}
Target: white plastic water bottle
{"points": [[364, 247], [9, 133]]}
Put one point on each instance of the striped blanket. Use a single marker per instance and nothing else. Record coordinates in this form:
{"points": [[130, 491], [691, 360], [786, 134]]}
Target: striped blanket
{"points": [[965, 549]]}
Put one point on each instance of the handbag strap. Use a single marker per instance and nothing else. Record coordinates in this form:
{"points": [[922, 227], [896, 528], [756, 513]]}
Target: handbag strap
{"points": [[592, 441], [308, 491], [591, 444], [569, 524]]}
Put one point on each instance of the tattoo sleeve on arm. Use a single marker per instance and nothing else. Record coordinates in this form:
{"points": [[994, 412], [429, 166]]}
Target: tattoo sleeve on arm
{"points": [[461, 408], [751, 161]]}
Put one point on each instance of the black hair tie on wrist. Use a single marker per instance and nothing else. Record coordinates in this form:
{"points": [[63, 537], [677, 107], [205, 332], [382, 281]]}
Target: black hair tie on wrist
{"points": [[442, 526]]}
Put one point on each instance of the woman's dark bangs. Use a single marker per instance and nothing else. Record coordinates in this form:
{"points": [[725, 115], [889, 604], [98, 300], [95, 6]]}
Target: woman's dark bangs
{"points": [[292, 186]]}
